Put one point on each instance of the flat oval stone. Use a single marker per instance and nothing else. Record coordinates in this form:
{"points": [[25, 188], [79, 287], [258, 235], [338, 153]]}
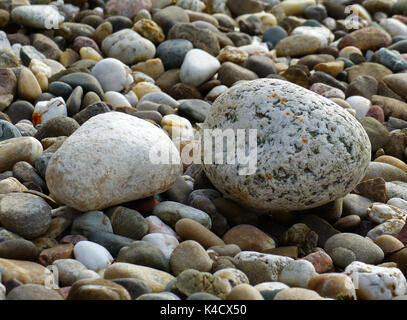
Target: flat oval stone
{"points": [[170, 212], [87, 81], [344, 248], [190, 229], [33, 292], [37, 16], [25, 214], [144, 254], [18, 249], [97, 289], [90, 222], [299, 175]]}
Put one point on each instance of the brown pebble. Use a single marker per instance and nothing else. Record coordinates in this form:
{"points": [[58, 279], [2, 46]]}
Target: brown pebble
{"points": [[388, 243], [190, 229], [249, 238], [61, 251], [28, 87], [290, 251], [348, 223]]}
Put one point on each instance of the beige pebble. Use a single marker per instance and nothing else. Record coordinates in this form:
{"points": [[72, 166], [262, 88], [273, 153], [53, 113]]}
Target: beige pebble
{"points": [[11, 185], [244, 292], [28, 86], [190, 229], [157, 280]]}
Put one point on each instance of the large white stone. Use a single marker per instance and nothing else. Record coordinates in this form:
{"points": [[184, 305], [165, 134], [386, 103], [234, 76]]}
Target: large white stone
{"points": [[376, 283], [293, 7], [198, 67], [128, 46], [92, 255], [305, 150], [108, 161], [112, 74], [37, 16]]}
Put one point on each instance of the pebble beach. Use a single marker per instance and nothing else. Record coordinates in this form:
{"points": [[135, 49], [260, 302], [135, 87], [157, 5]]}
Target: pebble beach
{"points": [[203, 150]]}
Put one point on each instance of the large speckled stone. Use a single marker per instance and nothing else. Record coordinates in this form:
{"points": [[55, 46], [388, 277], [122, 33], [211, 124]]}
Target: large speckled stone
{"points": [[109, 160], [309, 150]]}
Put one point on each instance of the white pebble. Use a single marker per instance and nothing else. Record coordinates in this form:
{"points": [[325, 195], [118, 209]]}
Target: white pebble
{"points": [[116, 99], [92, 255], [165, 242], [297, 273], [198, 67], [360, 104], [47, 110], [112, 74]]}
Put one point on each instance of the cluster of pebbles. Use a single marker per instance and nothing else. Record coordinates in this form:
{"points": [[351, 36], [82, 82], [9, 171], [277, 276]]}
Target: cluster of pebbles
{"points": [[95, 96]]}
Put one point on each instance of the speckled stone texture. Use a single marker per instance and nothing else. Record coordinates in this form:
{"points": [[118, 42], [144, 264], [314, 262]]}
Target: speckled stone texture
{"points": [[310, 151]]}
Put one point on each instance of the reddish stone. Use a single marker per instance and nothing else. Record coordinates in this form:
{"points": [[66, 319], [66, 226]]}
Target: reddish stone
{"points": [[64, 291], [73, 238], [61, 251], [400, 18], [82, 41], [322, 262], [143, 206], [376, 112]]}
